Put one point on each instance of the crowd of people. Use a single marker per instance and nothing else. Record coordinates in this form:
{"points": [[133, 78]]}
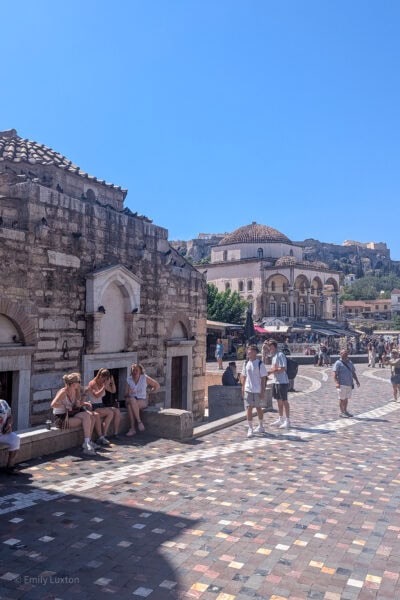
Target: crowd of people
{"points": [[274, 367], [76, 406]]}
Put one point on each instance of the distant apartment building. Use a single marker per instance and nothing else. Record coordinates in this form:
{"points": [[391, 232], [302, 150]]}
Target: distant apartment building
{"points": [[367, 309], [395, 302]]}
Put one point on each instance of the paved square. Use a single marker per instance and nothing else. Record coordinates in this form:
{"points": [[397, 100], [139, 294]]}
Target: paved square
{"points": [[309, 513]]}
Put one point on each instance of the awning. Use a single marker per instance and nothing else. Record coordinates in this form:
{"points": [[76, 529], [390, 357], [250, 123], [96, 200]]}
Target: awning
{"points": [[261, 330], [222, 326], [278, 328]]}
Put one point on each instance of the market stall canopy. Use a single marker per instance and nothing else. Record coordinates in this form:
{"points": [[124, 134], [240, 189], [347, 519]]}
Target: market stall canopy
{"points": [[221, 326], [261, 330], [278, 328]]}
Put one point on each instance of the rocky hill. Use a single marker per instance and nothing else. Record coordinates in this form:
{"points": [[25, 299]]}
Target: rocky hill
{"points": [[351, 257]]}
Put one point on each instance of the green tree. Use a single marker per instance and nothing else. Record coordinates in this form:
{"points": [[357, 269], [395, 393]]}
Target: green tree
{"points": [[226, 306], [396, 322], [371, 287]]}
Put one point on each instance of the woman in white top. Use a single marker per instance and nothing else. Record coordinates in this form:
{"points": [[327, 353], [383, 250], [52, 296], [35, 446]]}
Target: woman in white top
{"points": [[136, 395], [68, 401], [95, 391]]}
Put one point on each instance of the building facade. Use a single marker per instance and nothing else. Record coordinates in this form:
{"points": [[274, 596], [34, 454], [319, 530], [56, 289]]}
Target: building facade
{"points": [[86, 283], [269, 271], [367, 309]]}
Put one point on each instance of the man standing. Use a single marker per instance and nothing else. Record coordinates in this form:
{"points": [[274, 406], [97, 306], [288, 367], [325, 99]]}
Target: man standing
{"points": [[8, 437], [280, 385], [253, 379], [229, 376], [343, 374]]}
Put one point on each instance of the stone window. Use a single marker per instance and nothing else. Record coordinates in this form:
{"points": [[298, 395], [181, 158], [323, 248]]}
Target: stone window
{"points": [[311, 309], [260, 253], [250, 285], [240, 286], [283, 309], [90, 195], [227, 285], [302, 311], [273, 286], [225, 255], [272, 309]]}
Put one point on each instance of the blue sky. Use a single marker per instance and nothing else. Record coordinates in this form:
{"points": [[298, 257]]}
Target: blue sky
{"points": [[214, 113]]}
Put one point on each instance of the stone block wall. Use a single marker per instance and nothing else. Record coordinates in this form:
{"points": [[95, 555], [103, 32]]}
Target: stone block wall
{"points": [[50, 241]]}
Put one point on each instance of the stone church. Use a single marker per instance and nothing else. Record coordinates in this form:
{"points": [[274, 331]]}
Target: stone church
{"points": [[86, 283], [269, 271]]}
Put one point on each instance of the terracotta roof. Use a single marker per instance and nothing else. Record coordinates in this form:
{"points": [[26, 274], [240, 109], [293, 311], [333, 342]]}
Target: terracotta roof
{"points": [[18, 151], [254, 234], [287, 261], [365, 302]]}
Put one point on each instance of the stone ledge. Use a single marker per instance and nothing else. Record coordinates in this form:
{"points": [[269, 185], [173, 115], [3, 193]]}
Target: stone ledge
{"points": [[38, 441]]}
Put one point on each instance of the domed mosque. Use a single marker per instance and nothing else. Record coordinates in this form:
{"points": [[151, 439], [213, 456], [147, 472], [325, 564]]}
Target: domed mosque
{"points": [[269, 271]]}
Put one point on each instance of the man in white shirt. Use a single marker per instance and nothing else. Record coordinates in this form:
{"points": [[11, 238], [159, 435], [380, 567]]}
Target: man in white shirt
{"points": [[253, 379], [280, 385]]}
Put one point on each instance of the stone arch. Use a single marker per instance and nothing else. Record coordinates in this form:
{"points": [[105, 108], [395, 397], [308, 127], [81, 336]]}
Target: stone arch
{"points": [[279, 280], [181, 321], [316, 285], [332, 281], [301, 284], [20, 320]]}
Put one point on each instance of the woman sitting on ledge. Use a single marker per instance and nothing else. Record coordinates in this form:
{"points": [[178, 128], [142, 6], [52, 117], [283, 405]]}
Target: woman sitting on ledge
{"points": [[68, 411], [136, 395], [95, 392]]}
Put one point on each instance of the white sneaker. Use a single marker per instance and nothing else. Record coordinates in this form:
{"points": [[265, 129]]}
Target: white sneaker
{"points": [[277, 422], [285, 424], [259, 429], [250, 432], [87, 449], [93, 445]]}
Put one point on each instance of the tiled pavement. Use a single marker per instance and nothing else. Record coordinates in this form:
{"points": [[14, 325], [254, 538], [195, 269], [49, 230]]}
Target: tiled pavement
{"points": [[312, 513]]}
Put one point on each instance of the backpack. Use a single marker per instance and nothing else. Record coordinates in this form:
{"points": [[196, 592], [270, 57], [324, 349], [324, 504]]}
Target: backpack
{"points": [[291, 368]]}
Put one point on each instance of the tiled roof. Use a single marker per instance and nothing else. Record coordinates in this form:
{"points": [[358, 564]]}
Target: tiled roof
{"points": [[18, 151], [395, 291], [254, 234], [288, 261]]}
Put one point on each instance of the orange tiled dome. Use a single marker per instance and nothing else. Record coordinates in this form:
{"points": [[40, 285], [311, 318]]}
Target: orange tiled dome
{"points": [[254, 234]]}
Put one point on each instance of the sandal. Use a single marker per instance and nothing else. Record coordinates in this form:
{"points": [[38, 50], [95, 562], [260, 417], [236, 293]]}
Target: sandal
{"points": [[140, 426], [131, 433]]}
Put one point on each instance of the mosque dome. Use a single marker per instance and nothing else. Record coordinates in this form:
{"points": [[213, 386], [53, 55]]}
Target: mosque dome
{"points": [[254, 234]]}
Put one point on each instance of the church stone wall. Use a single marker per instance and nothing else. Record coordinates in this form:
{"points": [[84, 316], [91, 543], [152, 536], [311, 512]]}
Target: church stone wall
{"points": [[50, 241]]}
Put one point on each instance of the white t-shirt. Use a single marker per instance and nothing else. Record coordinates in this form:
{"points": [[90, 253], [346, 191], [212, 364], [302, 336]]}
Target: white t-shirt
{"points": [[254, 370]]}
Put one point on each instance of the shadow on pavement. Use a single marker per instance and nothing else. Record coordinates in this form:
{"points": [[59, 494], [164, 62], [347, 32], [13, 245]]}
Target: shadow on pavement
{"points": [[79, 547]]}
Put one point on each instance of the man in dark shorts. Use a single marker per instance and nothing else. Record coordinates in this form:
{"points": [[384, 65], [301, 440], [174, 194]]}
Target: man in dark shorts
{"points": [[280, 385]]}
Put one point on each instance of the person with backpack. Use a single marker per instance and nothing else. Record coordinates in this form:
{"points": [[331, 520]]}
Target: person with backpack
{"points": [[253, 379], [280, 386], [292, 368], [344, 373]]}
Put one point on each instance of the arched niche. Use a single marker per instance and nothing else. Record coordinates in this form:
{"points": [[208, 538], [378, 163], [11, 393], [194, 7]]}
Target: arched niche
{"points": [[19, 320], [112, 307], [9, 334]]}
